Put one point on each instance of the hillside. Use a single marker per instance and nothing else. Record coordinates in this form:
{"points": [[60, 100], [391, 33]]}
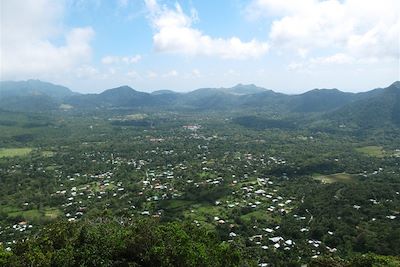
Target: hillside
{"points": [[33, 88], [244, 89], [32, 95], [318, 100], [379, 110]]}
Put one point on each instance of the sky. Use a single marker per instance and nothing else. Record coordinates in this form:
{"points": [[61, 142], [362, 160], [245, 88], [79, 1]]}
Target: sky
{"points": [[289, 46]]}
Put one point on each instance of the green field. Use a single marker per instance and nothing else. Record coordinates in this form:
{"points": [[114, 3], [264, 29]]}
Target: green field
{"points": [[33, 215], [334, 178], [95, 187], [136, 116], [205, 212], [28, 215], [52, 213], [14, 152], [177, 204], [259, 215], [372, 151]]}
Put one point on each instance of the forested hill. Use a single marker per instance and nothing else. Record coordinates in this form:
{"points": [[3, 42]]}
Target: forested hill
{"points": [[32, 88], [37, 96], [377, 111]]}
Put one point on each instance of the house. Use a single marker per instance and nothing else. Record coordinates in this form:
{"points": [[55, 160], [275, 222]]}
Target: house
{"points": [[275, 239]]}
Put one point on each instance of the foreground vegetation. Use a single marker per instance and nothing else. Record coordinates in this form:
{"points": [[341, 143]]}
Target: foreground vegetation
{"points": [[108, 243], [145, 243]]}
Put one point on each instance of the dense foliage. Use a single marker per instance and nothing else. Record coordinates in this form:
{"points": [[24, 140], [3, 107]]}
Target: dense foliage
{"points": [[108, 243]]}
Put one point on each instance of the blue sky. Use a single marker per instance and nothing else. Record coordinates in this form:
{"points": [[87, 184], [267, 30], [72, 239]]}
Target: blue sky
{"points": [[286, 45]]}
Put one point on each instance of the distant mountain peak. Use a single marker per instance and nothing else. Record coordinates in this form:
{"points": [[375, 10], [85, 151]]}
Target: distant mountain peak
{"points": [[33, 88], [34, 95], [324, 91], [395, 84], [244, 89], [246, 85], [122, 96], [163, 92], [125, 89]]}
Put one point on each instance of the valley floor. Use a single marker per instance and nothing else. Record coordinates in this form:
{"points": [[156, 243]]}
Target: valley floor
{"points": [[278, 195]]}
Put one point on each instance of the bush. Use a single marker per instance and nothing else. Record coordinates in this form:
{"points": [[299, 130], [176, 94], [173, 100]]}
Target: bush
{"points": [[141, 243]]}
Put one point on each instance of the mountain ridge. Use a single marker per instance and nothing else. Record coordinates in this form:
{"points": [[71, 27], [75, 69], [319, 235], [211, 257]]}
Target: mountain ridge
{"points": [[333, 102], [372, 112]]}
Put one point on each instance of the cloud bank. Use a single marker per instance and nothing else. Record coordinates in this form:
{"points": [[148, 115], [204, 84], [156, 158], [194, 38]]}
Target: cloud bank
{"points": [[364, 30], [174, 33], [34, 42]]}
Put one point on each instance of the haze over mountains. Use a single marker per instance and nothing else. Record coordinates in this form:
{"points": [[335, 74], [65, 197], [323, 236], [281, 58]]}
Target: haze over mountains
{"points": [[373, 107]]}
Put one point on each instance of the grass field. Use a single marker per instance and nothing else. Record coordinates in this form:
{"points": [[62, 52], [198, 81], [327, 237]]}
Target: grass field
{"points": [[372, 151], [204, 212], [259, 215], [28, 215], [52, 213], [334, 178], [14, 152], [136, 116], [95, 186], [33, 215]]}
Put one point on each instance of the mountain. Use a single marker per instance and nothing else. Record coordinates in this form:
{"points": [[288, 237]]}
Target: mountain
{"points": [[120, 97], [378, 110], [123, 96], [267, 100], [164, 92], [317, 100], [32, 95], [37, 96], [207, 99], [243, 89], [200, 99], [33, 88], [320, 100], [165, 97]]}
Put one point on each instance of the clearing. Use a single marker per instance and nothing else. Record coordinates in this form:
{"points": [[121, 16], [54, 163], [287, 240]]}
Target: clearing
{"points": [[32, 215], [14, 152], [333, 178], [372, 151], [260, 215]]}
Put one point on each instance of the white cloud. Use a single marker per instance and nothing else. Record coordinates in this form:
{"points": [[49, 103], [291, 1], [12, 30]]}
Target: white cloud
{"points": [[27, 47], [174, 33], [118, 60], [362, 29], [318, 62], [338, 58], [172, 73]]}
